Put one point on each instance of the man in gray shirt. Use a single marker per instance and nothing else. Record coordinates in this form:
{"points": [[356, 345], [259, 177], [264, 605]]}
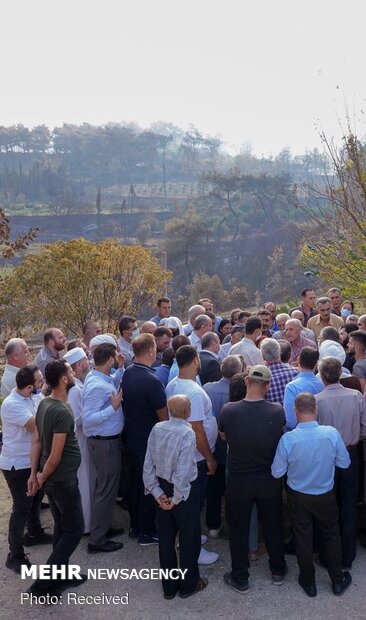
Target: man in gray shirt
{"points": [[345, 410]]}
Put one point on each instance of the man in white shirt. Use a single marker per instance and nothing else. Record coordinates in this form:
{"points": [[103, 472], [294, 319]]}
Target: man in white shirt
{"points": [[202, 420], [202, 326], [247, 347], [193, 313], [17, 356], [86, 473], [18, 419], [128, 329]]}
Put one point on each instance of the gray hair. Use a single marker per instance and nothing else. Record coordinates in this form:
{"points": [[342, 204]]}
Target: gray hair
{"points": [[295, 322], [195, 311], [208, 339], [322, 300], [271, 350], [330, 369], [201, 320], [231, 366], [283, 314], [13, 346]]}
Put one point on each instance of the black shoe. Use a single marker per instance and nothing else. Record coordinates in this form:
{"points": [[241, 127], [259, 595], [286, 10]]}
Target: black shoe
{"points": [[107, 547], [15, 562], [341, 586], [38, 589], [169, 597], [242, 587], [309, 588], [115, 531], [40, 539], [123, 503], [64, 584], [134, 532]]}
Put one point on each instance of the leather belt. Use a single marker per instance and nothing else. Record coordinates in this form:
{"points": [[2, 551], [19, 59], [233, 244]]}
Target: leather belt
{"points": [[104, 437], [352, 447]]}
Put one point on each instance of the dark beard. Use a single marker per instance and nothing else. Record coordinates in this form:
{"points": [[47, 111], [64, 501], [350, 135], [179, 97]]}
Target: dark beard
{"points": [[70, 384]]}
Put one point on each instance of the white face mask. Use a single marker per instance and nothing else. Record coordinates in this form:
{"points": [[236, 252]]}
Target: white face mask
{"points": [[135, 333]]}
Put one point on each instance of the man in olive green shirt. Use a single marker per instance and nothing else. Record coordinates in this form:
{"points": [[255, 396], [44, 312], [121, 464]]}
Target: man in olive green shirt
{"points": [[55, 459]]}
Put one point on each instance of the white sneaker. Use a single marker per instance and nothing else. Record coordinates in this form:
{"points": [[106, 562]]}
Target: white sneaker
{"points": [[204, 540], [207, 557], [214, 533]]}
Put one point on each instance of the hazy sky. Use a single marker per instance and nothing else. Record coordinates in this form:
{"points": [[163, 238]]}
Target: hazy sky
{"points": [[258, 71]]}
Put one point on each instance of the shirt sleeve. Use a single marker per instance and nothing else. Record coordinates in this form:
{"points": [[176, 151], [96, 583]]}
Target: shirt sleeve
{"points": [[63, 421], [157, 394], [149, 473], [181, 475], [342, 459], [15, 413], [280, 462], [288, 405], [359, 371], [97, 405], [197, 408], [363, 417]]}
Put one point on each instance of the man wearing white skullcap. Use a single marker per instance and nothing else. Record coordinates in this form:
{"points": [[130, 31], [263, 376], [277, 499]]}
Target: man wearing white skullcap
{"points": [[86, 476]]}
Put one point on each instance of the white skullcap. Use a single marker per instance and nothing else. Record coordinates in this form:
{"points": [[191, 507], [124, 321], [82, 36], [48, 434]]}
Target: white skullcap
{"points": [[329, 348], [172, 322], [74, 355], [102, 339]]}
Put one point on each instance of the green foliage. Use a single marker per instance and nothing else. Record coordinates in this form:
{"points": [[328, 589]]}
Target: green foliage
{"points": [[69, 283]]}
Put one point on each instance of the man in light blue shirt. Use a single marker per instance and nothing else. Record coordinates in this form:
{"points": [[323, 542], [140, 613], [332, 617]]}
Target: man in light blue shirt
{"points": [[102, 421], [218, 392], [306, 381], [309, 455]]}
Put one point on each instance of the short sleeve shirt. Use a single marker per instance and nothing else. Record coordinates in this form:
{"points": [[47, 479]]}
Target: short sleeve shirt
{"points": [[16, 411], [143, 396], [54, 417]]}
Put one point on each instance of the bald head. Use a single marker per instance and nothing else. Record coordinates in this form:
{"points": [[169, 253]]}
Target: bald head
{"points": [[179, 406], [297, 314], [149, 327]]}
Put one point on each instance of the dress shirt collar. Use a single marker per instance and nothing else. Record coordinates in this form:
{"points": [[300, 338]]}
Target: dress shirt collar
{"points": [[211, 353], [11, 368], [306, 425], [173, 420], [306, 373], [101, 375], [334, 386]]}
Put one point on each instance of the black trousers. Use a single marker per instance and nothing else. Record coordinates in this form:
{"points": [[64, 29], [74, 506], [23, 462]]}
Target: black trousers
{"points": [[141, 507], [215, 493], [305, 510], [65, 505], [346, 489], [26, 510], [241, 494], [183, 519]]}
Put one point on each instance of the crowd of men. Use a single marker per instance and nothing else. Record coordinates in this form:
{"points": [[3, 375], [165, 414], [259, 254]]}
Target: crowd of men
{"points": [[265, 409]]}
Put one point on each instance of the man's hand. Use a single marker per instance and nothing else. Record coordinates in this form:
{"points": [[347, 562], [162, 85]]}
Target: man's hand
{"points": [[40, 479], [163, 502], [211, 466], [116, 399], [120, 359], [32, 485]]}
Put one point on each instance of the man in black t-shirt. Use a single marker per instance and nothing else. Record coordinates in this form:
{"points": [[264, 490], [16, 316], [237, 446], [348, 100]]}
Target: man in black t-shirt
{"points": [[252, 428], [55, 459], [144, 404]]}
